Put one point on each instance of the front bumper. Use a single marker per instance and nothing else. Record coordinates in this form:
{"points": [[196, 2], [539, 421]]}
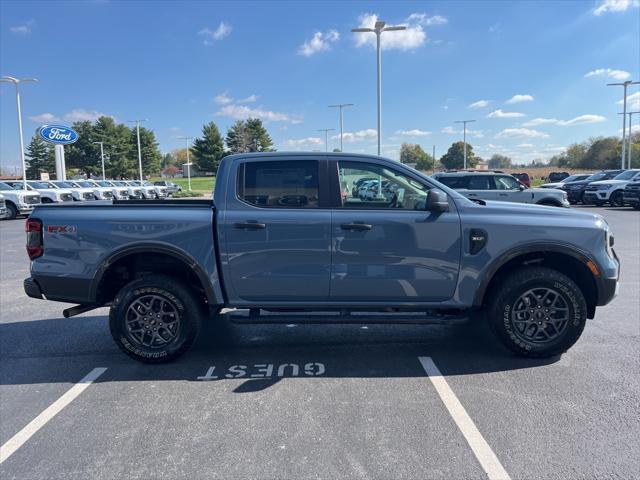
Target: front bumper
{"points": [[574, 195], [608, 287], [596, 196], [25, 208]]}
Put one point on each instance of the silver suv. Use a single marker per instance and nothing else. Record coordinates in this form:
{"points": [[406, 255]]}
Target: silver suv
{"points": [[500, 186]]}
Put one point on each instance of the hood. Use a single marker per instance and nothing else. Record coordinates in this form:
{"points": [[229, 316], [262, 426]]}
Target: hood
{"points": [[577, 182], [523, 209], [610, 182], [546, 191], [551, 185]]}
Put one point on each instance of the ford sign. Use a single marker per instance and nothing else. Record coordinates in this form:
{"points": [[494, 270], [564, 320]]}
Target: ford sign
{"points": [[58, 134]]}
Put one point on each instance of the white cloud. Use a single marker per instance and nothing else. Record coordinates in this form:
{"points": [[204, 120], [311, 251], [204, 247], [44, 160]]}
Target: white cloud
{"points": [[470, 133], [614, 6], [301, 142], [223, 98], [249, 99], [520, 98], [413, 133], [579, 120], [525, 145], [242, 112], [520, 133], [501, 114], [479, 104], [633, 101], [23, 29], [608, 72], [219, 33], [45, 118], [411, 38], [82, 115], [424, 19], [320, 42], [360, 135]]}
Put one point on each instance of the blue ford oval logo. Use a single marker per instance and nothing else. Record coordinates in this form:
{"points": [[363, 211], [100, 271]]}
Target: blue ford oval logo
{"points": [[58, 134]]}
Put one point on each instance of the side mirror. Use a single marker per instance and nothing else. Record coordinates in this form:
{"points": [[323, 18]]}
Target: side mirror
{"points": [[437, 201], [522, 187]]}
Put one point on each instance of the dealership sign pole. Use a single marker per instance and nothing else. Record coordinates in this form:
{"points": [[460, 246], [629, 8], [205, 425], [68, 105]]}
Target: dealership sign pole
{"points": [[59, 136]]}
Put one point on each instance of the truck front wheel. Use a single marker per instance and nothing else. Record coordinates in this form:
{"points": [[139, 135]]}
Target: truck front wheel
{"points": [[537, 312], [154, 319]]}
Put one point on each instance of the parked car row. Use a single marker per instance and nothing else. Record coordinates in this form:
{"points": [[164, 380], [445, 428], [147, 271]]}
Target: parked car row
{"points": [[18, 201], [613, 187]]}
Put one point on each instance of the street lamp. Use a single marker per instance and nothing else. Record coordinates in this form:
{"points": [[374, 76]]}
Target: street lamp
{"points": [[464, 122], [326, 137], [101, 157], [137, 122], [624, 112], [630, 125], [341, 106], [378, 28], [17, 82], [188, 164]]}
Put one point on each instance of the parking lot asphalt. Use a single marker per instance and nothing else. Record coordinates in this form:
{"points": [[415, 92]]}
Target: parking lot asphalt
{"points": [[321, 401]]}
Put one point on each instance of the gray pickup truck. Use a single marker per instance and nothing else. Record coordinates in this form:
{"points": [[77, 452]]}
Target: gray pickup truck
{"points": [[284, 232]]}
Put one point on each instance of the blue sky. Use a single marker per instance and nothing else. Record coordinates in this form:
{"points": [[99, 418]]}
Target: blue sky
{"points": [[532, 74]]}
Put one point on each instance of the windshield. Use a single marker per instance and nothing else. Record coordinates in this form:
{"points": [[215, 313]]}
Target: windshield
{"points": [[63, 184], [596, 176], [572, 178], [40, 185], [5, 186], [104, 183], [86, 184], [628, 175], [120, 183]]}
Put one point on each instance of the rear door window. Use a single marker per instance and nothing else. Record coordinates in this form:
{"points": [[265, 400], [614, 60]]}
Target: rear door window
{"points": [[480, 182], [280, 184]]}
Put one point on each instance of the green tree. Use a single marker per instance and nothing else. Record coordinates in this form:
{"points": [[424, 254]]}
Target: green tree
{"points": [[40, 158], [602, 153], [208, 150], [454, 158], [149, 151], [238, 139], [118, 151], [168, 159], [259, 138], [499, 161], [414, 154], [83, 154]]}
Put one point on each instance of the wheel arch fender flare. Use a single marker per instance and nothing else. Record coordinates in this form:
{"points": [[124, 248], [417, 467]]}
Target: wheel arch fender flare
{"points": [[507, 256], [155, 247]]}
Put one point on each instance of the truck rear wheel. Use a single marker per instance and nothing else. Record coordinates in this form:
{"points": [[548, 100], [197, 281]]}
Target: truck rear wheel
{"points": [[538, 312], [154, 319]]}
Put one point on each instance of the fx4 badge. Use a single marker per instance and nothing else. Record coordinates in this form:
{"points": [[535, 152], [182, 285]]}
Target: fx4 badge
{"points": [[62, 229]]}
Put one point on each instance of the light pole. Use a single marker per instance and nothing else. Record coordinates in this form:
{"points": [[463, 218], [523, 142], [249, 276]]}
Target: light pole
{"points": [[101, 157], [629, 140], [378, 28], [326, 137], [17, 82], [341, 106], [434, 159], [624, 113], [137, 122], [188, 164], [464, 122]]}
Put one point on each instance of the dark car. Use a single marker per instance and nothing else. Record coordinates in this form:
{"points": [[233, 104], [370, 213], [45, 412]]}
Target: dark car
{"points": [[575, 190], [523, 178], [557, 176], [631, 195]]}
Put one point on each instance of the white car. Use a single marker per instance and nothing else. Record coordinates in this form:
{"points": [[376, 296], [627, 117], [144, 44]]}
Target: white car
{"points": [[18, 201], [612, 190], [135, 193], [149, 190], [3, 207], [79, 193], [100, 193], [119, 193], [48, 193]]}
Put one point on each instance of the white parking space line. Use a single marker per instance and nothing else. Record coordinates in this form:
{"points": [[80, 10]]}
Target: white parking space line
{"points": [[481, 449], [19, 439]]}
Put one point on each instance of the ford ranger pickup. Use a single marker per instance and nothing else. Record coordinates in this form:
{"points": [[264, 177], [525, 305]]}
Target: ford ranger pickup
{"points": [[284, 232]]}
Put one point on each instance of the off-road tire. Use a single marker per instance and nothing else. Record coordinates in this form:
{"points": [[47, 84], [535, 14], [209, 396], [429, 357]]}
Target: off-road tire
{"points": [[177, 297], [513, 287]]}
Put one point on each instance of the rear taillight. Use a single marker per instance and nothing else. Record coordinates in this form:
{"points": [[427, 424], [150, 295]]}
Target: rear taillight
{"points": [[33, 227]]}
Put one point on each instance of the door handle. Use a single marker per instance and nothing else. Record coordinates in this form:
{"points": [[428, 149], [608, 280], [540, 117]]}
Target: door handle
{"points": [[249, 226], [357, 227]]}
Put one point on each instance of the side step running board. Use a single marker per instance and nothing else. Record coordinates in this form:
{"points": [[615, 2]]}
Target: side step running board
{"points": [[245, 318]]}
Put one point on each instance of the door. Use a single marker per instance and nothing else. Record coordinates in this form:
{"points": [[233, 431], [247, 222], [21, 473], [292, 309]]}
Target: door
{"points": [[508, 189], [388, 248], [479, 187], [276, 233]]}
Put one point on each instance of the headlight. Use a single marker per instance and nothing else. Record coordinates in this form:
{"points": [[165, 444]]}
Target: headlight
{"points": [[605, 186], [609, 242]]}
